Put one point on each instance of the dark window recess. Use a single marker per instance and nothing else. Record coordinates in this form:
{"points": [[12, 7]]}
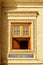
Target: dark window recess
{"points": [[24, 44], [20, 43]]}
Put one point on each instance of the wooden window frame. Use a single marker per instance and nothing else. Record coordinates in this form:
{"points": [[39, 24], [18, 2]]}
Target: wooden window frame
{"points": [[21, 31]]}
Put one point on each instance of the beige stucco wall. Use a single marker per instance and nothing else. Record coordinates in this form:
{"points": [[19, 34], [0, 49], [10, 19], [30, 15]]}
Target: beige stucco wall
{"points": [[40, 35], [5, 31]]}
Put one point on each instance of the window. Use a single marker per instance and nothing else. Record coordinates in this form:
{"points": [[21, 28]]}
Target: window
{"points": [[25, 30], [16, 30], [21, 36]]}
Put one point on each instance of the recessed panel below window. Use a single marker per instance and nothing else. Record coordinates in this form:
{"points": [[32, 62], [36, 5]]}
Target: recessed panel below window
{"points": [[21, 56]]}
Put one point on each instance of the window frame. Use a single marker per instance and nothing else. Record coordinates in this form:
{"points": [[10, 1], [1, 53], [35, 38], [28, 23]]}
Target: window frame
{"points": [[21, 29]]}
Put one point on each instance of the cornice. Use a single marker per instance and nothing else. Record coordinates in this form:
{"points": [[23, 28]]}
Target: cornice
{"points": [[22, 15], [24, 12], [15, 4]]}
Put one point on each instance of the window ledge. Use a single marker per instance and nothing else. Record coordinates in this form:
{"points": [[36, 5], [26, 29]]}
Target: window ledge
{"points": [[24, 61]]}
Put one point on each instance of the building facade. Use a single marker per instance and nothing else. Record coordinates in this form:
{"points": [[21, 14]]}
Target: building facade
{"points": [[21, 32]]}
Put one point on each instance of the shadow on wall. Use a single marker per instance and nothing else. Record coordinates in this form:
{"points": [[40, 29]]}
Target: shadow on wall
{"points": [[4, 37], [5, 31]]}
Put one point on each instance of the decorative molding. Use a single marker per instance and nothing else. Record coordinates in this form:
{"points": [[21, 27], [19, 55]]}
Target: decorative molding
{"points": [[24, 1], [24, 12], [24, 64], [22, 15], [21, 61]]}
